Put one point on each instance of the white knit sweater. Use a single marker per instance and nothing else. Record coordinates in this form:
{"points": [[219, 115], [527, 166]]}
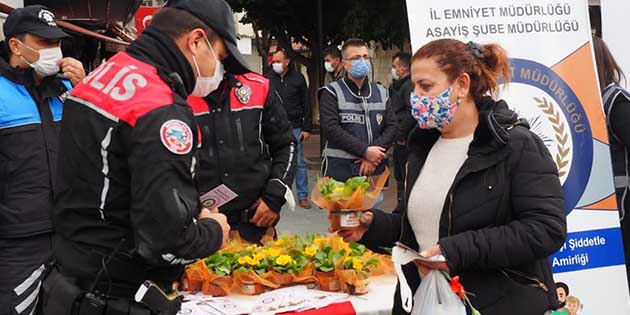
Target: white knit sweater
{"points": [[429, 192]]}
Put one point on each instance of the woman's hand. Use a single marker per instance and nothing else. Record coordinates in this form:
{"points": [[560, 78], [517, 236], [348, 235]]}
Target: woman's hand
{"points": [[356, 233], [425, 267]]}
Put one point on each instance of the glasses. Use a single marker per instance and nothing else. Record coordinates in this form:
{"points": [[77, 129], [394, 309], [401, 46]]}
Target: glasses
{"points": [[353, 58]]}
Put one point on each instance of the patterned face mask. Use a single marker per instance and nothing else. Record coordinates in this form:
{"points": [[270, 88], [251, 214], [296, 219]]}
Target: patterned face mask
{"points": [[433, 112]]}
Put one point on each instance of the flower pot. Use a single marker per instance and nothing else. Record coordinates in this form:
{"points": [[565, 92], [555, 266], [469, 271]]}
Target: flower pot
{"points": [[220, 286], [359, 287], [328, 281], [345, 219], [252, 288], [281, 278]]}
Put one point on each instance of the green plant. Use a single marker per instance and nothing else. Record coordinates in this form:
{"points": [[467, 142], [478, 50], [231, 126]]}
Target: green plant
{"points": [[358, 264], [326, 259], [356, 249], [221, 263]]}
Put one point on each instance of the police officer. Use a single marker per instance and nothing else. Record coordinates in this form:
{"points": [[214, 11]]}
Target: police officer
{"points": [[353, 115], [248, 145], [31, 101], [130, 210]]}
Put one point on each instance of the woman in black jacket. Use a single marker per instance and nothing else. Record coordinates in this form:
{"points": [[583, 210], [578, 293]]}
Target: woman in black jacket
{"points": [[616, 103], [481, 189]]}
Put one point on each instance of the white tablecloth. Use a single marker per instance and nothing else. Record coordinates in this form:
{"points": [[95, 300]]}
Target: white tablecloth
{"points": [[378, 301]]}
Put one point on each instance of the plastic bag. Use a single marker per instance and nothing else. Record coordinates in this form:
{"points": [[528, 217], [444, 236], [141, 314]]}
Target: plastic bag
{"points": [[434, 296]]}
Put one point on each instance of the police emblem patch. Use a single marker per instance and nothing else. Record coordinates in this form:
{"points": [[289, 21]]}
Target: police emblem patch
{"points": [[243, 93], [47, 17], [176, 136], [379, 119]]}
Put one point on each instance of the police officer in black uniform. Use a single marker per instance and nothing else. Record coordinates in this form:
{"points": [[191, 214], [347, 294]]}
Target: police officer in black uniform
{"points": [[129, 218], [31, 105], [249, 147]]}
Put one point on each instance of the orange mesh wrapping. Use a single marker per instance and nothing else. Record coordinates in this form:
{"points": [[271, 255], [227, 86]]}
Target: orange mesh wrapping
{"points": [[201, 279], [360, 199]]}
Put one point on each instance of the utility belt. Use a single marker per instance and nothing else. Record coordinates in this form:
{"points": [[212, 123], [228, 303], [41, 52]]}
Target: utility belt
{"points": [[64, 295]]}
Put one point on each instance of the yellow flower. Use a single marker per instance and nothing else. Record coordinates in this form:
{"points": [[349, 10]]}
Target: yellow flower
{"points": [[319, 241], [245, 260], [254, 262], [357, 264], [279, 242], [284, 260], [271, 252], [310, 251], [258, 257]]}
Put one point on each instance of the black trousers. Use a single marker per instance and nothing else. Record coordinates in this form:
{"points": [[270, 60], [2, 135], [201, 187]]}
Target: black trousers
{"points": [[22, 265]]}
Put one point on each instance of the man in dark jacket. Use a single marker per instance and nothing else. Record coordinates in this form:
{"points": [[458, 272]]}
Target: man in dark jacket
{"points": [[353, 115], [249, 147], [333, 65], [400, 92], [291, 86], [130, 210], [31, 105]]}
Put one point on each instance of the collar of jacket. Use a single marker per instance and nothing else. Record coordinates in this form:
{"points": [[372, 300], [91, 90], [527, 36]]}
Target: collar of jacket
{"points": [[50, 86], [365, 89], [489, 147], [222, 92], [397, 84], [160, 51]]}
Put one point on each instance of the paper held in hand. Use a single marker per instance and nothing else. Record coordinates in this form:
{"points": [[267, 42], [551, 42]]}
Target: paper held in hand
{"points": [[217, 197], [402, 254]]}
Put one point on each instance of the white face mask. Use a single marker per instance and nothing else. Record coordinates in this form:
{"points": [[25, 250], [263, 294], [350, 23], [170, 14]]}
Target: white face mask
{"points": [[48, 62], [395, 74], [277, 68], [207, 85], [329, 66]]}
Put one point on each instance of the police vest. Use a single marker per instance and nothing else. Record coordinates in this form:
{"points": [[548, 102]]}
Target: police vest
{"points": [[362, 116], [618, 152]]}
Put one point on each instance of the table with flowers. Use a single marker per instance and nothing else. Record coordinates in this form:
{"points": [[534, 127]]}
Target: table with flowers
{"points": [[242, 273]]}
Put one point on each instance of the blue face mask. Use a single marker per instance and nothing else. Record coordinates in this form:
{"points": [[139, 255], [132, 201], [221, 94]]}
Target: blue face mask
{"points": [[360, 68]]}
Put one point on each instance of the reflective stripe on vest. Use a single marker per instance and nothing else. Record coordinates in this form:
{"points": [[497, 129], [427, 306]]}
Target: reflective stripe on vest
{"points": [[355, 109]]}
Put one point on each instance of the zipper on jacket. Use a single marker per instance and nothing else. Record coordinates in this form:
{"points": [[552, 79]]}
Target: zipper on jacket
{"points": [[239, 132], [368, 125], [535, 281], [450, 212]]}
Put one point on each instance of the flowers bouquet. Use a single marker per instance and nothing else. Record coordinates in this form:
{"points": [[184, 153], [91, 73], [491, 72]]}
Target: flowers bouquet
{"points": [[346, 200]]}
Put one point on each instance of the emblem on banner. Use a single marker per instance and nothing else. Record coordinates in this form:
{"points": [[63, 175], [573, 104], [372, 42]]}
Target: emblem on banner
{"points": [[176, 136], [557, 117]]}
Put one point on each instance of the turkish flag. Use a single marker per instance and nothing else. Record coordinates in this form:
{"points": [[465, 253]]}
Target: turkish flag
{"points": [[343, 308], [143, 17]]}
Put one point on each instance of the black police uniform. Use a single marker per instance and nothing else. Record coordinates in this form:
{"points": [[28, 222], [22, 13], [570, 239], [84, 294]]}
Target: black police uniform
{"points": [[248, 146], [30, 117]]}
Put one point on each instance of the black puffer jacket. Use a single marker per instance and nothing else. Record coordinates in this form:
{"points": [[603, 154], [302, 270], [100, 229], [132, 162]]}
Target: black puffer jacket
{"points": [[502, 218]]}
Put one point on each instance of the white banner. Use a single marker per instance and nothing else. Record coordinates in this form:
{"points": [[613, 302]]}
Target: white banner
{"points": [[615, 31], [554, 86]]}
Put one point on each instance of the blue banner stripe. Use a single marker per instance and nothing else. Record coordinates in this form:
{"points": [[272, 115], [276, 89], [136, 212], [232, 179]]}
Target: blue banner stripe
{"points": [[588, 250]]}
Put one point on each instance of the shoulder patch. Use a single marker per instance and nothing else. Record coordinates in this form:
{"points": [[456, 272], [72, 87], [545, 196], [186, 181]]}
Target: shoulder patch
{"points": [[176, 136]]}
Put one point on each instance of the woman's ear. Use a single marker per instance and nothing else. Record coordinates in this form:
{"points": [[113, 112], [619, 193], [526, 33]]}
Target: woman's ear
{"points": [[463, 86]]}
